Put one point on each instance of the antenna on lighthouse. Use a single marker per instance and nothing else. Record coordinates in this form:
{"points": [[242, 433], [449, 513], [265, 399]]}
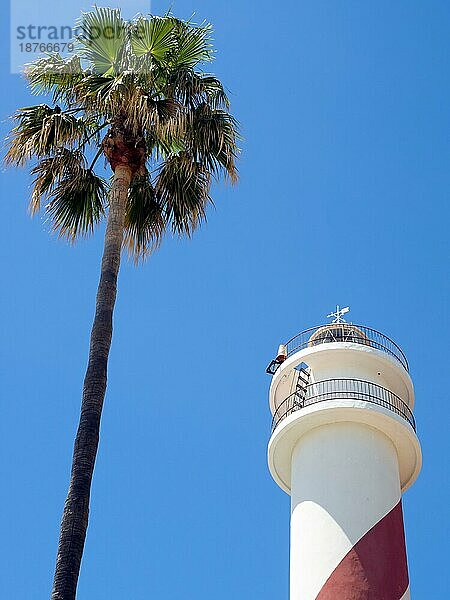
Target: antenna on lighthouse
{"points": [[337, 316]]}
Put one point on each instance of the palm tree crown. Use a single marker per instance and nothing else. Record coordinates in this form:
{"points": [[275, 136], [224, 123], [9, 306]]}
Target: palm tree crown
{"points": [[133, 92]]}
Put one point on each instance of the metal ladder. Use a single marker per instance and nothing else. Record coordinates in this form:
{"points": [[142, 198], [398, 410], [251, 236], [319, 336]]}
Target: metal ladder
{"points": [[301, 386]]}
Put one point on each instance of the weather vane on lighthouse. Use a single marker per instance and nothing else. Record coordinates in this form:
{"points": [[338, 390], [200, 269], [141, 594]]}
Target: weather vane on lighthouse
{"points": [[337, 316]]}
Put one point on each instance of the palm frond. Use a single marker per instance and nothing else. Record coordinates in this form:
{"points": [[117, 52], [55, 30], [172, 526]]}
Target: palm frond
{"points": [[193, 44], [41, 130], [212, 140], [109, 96], [101, 38], [214, 92], [56, 74], [77, 203], [144, 219], [49, 171], [160, 118], [154, 36], [182, 186], [191, 88]]}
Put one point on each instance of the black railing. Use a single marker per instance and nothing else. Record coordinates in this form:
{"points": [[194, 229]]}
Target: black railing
{"points": [[345, 332], [342, 389]]}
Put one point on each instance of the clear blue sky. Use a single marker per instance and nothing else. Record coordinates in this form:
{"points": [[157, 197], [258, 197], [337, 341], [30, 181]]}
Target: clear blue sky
{"points": [[344, 198]]}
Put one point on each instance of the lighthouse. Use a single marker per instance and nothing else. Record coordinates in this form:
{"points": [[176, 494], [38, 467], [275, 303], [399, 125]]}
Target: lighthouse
{"points": [[344, 446]]}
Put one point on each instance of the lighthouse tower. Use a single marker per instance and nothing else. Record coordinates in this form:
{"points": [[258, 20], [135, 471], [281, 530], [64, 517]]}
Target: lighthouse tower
{"points": [[344, 447]]}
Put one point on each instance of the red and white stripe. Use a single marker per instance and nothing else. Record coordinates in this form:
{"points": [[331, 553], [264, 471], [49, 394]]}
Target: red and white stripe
{"points": [[376, 567], [347, 534]]}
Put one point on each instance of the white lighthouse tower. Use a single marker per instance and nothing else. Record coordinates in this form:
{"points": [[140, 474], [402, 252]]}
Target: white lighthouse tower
{"points": [[344, 446]]}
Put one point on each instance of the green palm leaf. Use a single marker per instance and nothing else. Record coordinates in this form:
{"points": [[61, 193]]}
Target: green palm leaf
{"points": [[182, 187], [214, 92], [102, 35], [144, 219], [193, 44], [49, 171], [77, 203], [55, 74], [42, 129], [154, 37], [212, 140], [192, 88]]}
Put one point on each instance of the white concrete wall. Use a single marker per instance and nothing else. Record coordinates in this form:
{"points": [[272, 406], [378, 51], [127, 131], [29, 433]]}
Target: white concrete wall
{"points": [[365, 365], [345, 479]]}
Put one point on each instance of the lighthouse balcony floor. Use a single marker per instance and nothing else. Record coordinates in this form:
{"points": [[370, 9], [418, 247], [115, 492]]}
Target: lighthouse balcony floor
{"points": [[342, 389]]}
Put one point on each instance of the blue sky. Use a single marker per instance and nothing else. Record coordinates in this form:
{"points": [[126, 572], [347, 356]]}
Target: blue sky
{"points": [[343, 198]]}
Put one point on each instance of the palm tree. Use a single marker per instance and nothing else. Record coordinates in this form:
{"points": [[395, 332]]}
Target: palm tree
{"points": [[133, 92]]}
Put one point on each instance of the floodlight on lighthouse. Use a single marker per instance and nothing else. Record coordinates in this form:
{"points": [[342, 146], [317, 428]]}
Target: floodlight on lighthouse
{"points": [[281, 354]]}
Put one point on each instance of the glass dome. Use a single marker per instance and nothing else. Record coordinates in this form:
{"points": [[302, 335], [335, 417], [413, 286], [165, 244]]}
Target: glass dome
{"points": [[338, 332]]}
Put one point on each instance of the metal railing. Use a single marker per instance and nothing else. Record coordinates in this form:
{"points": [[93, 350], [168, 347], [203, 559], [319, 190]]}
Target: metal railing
{"points": [[345, 332], [342, 389]]}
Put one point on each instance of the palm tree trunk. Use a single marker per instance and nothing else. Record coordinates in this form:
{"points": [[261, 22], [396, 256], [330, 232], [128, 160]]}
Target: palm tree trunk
{"points": [[76, 509]]}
